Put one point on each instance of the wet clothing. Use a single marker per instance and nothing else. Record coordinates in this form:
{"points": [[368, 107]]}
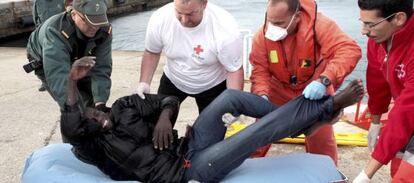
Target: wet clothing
{"points": [[128, 148], [390, 75], [57, 44], [125, 152], [282, 69], [213, 157], [44, 9], [198, 58]]}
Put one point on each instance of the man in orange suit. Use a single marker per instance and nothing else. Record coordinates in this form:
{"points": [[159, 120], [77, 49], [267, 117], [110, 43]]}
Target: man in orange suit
{"points": [[299, 51]]}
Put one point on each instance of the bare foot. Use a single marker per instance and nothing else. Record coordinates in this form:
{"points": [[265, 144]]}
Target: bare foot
{"points": [[352, 94]]}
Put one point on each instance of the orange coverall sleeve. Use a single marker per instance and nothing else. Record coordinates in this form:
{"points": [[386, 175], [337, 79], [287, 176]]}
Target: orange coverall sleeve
{"points": [[339, 50], [261, 76]]}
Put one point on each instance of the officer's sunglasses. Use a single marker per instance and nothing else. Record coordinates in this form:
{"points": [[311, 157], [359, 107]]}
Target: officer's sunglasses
{"points": [[371, 25]]}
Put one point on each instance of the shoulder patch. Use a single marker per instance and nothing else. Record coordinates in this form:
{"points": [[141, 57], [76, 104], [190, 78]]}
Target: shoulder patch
{"points": [[66, 25]]}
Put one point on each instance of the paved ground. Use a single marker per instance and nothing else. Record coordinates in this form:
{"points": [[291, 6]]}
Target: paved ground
{"points": [[29, 119]]}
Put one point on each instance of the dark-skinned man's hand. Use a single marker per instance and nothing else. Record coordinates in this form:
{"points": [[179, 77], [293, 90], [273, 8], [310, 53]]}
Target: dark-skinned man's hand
{"points": [[162, 136], [100, 117], [102, 107], [81, 67]]}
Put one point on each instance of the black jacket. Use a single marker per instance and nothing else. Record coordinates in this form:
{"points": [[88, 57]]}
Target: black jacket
{"points": [[125, 152]]}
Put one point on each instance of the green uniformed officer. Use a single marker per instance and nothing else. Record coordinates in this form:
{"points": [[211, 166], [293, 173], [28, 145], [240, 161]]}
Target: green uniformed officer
{"points": [[43, 9], [81, 33]]}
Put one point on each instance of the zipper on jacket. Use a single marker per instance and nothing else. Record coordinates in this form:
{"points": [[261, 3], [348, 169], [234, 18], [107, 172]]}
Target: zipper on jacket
{"points": [[387, 53], [386, 66], [387, 50]]}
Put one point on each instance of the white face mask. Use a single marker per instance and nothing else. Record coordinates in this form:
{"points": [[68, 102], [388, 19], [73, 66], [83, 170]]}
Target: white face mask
{"points": [[276, 33]]}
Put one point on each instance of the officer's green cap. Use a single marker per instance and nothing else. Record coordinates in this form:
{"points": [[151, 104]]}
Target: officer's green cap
{"points": [[93, 10]]}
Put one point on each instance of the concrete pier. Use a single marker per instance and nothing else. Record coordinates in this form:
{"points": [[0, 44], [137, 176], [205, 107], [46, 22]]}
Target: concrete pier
{"points": [[16, 15], [30, 119], [13, 17]]}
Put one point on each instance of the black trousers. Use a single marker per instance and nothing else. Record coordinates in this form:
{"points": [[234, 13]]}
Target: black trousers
{"points": [[203, 99]]}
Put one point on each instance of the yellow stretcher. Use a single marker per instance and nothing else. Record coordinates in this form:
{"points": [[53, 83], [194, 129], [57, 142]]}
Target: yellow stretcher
{"points": [[352, 139]]}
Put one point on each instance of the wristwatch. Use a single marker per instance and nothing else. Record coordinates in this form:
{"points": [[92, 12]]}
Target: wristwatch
{"points": [[325, 80]]}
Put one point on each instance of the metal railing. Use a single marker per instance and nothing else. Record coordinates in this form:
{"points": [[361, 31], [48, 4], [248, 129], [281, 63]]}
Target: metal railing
{"points": [[247, 47]]}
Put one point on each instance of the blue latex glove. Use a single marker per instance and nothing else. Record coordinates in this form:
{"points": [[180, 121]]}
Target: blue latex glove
{"points": [[314, 91]]}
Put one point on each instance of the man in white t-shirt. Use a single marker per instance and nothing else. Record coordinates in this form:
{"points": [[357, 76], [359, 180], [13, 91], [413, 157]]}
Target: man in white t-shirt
{"points": [[203, 47]]}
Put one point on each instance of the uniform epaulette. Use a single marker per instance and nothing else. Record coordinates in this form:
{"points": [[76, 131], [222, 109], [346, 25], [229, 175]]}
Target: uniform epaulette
{"points": [[66, 27], [65, 34]]}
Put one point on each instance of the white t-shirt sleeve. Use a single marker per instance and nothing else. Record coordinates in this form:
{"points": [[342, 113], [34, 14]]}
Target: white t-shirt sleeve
{"points": [[230, 46], [230, 54], [153, 38]]}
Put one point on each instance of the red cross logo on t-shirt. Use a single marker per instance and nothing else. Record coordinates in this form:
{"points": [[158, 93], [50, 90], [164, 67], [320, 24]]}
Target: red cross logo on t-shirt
{"points": [[198, 49]]}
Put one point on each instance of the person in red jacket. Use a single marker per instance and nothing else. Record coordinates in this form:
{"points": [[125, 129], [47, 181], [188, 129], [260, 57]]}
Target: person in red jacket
{"points": [[299, 51], [389, 25]]}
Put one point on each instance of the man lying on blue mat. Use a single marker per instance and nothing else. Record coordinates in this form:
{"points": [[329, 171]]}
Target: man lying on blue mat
{"points": [[136, 141]]}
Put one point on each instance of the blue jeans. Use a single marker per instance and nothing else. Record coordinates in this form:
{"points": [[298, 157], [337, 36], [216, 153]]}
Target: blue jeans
{"points": [[213, 157]]}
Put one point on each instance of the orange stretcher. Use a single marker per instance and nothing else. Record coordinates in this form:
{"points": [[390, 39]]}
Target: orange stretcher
{"points": [[362, 120]]}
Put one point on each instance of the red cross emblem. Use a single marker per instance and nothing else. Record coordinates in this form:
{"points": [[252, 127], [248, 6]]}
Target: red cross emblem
{"points": [[198, 49]]}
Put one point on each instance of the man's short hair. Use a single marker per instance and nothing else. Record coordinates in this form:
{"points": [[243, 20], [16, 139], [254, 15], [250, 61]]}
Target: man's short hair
{"points": [[292, 4], [387, 7], [187, 1]]}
